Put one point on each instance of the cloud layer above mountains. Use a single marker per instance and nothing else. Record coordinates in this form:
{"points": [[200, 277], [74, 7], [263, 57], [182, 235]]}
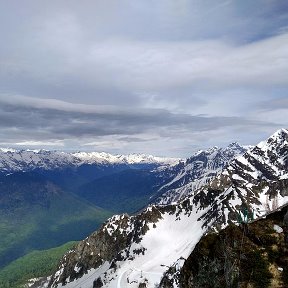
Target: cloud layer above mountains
{"points": [[127, 76]]}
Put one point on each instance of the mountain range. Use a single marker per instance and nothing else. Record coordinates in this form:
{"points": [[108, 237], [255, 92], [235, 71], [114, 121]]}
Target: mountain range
{"points": [[51, 197], [12, 160], [152, 246]]}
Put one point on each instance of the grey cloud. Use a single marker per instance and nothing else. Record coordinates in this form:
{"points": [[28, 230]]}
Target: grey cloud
{"points": [[274, 104], [58, 123], [112, 71], [135, 139]]}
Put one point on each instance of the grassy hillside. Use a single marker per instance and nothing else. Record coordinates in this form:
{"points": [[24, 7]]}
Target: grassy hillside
{"points": [[34, 264], [67, 218]]}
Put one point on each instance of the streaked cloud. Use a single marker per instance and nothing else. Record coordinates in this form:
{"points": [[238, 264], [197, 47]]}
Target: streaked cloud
{"points": [[57, 122]]}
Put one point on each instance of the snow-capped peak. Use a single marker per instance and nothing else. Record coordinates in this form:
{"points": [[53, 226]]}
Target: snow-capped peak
{"points": [[278, 137], [269, 156], [102, 157], [234, 145], [6, 150]]}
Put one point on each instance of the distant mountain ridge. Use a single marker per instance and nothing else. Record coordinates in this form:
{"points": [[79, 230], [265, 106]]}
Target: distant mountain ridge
{"points": [[12, 160], [133, 251]]}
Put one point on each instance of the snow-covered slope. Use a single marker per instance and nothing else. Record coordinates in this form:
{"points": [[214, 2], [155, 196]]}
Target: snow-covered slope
{"points": [[25, 160], [127, 251], [123, 248], [196, 172]]}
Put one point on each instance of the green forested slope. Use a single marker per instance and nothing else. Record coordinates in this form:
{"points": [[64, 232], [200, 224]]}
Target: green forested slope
{"points": [[34, 264], [36, 214]]}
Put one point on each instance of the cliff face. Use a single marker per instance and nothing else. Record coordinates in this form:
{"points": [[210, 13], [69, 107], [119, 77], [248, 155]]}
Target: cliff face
{"points": [[249, 255]]}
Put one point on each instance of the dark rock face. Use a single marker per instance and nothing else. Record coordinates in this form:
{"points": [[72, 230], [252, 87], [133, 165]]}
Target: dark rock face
{"points": [[250, 254], [97, 283]]}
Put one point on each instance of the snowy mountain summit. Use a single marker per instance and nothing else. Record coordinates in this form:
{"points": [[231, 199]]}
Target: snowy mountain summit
{"points": [[137, 251], [196, 172]]}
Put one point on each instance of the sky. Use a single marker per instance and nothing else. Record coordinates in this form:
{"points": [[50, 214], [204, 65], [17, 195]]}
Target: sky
{"points": [[139, 76]]}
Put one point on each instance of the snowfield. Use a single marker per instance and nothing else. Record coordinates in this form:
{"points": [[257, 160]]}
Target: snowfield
{"points": [[173, 236]]}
